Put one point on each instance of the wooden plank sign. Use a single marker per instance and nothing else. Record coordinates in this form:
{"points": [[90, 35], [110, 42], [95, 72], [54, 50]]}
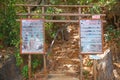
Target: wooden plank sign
{"points": [[32, 36], [91, 36]]}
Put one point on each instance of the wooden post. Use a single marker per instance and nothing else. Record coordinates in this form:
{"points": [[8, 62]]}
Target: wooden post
{"points": [[79, 10], [94, 69], [45, 68], [81, 67], [44, 56], [81, 59], [29, 56], [29, 66], [28, 11], [43, 11]]}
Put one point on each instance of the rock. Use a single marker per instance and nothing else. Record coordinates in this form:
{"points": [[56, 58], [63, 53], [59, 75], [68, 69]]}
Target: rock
{"points": [[3, 51], [0, 56], [9, 71]]}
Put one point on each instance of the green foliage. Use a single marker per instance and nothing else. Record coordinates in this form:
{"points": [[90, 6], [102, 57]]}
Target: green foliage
{"points": [[113, 34], [1, 46], [1, 36], [35, 63], [85, 73], [9, 27], [89, 63], [25, 71], [50, 31], [95, 9], [71, 2], [83, 2], [19, 59]]}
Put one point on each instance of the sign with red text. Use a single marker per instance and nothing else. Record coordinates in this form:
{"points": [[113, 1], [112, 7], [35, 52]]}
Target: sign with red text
{"points": [[91, 36], [32, 36], [96, 17]]}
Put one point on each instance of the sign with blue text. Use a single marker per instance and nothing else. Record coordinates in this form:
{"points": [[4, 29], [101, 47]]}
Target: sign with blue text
{"points": [[91, 36], [32, 36]]}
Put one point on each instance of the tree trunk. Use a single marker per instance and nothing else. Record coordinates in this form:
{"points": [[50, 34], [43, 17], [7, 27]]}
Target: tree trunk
{"points": [[105, 67]]}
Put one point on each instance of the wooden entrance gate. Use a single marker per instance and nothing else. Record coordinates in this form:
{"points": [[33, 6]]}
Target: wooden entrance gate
{"points": [[71, 14]]}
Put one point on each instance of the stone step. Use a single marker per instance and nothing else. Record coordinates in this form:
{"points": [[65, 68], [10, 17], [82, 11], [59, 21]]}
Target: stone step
{"points": [[57, 77], [67, 59]]}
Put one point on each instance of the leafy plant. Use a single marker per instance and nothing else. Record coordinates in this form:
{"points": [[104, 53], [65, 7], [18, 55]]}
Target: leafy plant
{"points": [[25, 71], [9, 28], [35, 63], [89, 63], [19, 59], [24, 68], [1, 46], [113, 35], [85, 73], [95, 9]]}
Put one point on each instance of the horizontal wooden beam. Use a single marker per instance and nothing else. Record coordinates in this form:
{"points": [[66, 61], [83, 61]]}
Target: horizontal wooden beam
{"points": [[60, 14], [62, 21], [54, 5], [72, 21], [71, 14]]}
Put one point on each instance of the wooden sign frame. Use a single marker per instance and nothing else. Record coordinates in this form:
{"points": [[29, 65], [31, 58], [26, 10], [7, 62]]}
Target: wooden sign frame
{"points": [[91, 36], [32, 36]]}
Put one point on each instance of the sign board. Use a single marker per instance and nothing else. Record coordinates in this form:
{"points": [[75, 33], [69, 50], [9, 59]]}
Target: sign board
{"points": [[91, 36], [32, 36], [96, 17], [100, 56], [96, 57]]}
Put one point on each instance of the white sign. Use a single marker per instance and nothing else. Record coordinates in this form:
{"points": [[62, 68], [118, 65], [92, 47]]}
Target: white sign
{"points": [[32, 36], [100, 56], [91, 36], [96, 57]]}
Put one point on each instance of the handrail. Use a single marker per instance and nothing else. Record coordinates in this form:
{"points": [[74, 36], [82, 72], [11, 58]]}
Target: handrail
{"points": [[52, 43]]}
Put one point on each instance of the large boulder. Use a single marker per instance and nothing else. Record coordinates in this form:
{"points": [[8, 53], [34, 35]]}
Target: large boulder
{"points": [[9, 70]]}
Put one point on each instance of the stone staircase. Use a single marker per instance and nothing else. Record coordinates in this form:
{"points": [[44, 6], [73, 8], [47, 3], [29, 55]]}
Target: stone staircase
{"points": [[63, 61], [64, 58]]}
